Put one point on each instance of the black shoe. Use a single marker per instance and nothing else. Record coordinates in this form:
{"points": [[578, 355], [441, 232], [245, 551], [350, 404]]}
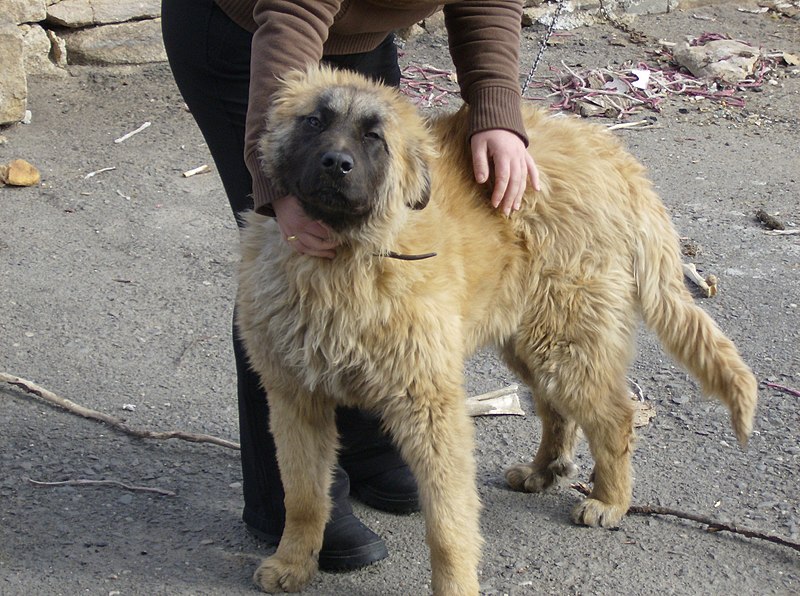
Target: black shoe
{"points": [[394, 491], [346, 545]]}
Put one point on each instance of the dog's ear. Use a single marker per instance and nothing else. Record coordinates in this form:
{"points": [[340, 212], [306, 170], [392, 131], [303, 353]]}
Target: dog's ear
{"points": [[421, 201], [419, 173]]}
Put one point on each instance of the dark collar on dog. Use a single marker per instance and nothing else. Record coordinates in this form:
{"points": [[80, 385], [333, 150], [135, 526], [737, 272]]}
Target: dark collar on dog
{"points": [[396, 255]]}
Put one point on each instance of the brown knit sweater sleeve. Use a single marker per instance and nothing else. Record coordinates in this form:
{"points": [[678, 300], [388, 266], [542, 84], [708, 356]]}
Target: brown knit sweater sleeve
{"points": [[484, 40], [289, 35]]}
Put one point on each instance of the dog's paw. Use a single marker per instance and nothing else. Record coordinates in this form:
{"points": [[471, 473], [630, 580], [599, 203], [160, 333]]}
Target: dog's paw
{"points": [[528, 478], [591, 512], [563, 468], [275, 575]]}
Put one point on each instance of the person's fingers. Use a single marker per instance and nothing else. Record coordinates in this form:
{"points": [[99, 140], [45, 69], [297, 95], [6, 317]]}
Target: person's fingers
{"points": [[521, 180], [310, 245], [480, 161], [533, 171], [502, 177], [317, 230], [515, 189], [305, 235]]}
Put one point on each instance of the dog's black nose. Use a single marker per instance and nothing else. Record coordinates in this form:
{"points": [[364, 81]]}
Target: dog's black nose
{"points": [[337, 163]]}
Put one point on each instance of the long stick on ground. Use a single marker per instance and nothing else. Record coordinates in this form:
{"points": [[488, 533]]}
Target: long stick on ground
{"points": [[713, 526], [112, 421], [118, 424], [82, 482]]}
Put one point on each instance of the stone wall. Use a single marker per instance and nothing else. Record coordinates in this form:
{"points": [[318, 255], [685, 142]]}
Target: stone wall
{"points": [[45, 36]]}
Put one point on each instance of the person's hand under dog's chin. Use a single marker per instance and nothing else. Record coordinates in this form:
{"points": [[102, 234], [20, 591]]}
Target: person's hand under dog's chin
{"points": [[306, 235]]}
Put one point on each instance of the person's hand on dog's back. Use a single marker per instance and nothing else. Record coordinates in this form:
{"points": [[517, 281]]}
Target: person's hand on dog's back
{"points": [[503, 153], [307, 236]]}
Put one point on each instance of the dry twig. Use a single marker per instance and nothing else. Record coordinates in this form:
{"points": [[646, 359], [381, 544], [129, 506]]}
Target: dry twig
{"points": [[707, 284], [100, 171], [788, 390], [82, 482], [713, 526], [127, 136], [112, 421], [794, 232], [198, 170]]}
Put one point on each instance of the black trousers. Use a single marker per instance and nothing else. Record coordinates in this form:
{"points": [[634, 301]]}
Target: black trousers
{"points": [[210, 59]]}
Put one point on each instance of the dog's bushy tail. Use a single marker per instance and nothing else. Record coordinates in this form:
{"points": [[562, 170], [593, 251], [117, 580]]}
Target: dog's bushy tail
{"points": [[688, 333]]}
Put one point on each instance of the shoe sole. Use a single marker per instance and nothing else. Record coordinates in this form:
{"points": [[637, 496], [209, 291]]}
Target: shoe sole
{"points": [[357, 558], [383, 502], [364, 556]]}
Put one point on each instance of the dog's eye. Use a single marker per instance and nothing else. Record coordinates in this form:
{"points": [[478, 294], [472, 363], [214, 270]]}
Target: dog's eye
{"points": [[313, 121], [373, 135]]}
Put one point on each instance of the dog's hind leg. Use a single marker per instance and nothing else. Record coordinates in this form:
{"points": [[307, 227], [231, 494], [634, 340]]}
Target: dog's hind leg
{"points": [[435, 437], [576, 369], [586, 380], [304, 429], [553, 461], [609, 431]]}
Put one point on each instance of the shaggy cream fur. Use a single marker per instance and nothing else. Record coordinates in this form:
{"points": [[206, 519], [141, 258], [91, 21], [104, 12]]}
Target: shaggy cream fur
{"points": [[559, 288]]}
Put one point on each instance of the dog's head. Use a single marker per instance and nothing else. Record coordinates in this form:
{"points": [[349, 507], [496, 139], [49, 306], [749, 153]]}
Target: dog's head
{"points": [[350, 150]]}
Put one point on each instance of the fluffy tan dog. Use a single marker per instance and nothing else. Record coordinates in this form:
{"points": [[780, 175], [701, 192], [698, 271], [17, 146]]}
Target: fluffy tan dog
{"points": [[559, 288]]}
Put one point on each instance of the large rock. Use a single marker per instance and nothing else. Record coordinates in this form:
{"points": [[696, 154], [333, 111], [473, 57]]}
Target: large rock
{"points": [[13, 83], [23, 11], [38, 52], [84, 13], [648, 6], [722, 60], [136, 42], [573, 14]]}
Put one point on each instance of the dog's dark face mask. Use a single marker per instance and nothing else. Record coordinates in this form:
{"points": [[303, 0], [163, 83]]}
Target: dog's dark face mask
{"points": [[335, 161]]}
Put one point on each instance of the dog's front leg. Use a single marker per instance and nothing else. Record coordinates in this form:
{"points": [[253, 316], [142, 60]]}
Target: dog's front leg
{"points": [[304, 429], [435, 437]]}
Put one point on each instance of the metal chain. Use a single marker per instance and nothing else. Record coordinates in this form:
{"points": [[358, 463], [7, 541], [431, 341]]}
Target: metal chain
{"points": [[543, 44]]}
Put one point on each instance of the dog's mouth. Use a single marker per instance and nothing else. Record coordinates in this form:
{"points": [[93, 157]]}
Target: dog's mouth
{"points": [[334, 207]]}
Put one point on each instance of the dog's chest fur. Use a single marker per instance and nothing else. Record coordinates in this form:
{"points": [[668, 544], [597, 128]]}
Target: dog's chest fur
{"points": [[343, 327]]}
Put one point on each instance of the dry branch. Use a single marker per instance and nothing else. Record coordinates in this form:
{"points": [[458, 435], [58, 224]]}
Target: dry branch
{"points": [[100, 171], [712, 526], [707, 284], [82, 482], [198, 170], [788, 390], [112, 421], [118, 424], [793, 232], [127, 136]]}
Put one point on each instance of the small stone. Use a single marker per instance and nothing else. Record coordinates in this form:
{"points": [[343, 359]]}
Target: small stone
{"points": [[20, 173]]}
